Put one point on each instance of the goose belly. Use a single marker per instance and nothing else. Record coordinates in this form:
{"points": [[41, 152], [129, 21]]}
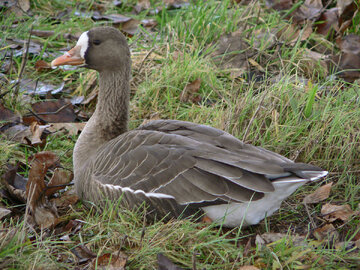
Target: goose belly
{"points": [[250, 213]]}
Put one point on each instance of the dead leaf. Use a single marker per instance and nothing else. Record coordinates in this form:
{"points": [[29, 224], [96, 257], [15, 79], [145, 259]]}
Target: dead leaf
{"points": [[58, 180], [15, 184], [333, 212], [58, 111], [69, 128], [165, 264], [43, 212], [34, 135], [328, 231], [4, 212], [130, 28], [108, 261], [73, 226], [7, 115], [83, 254], [248, 267], [34, 87], [190, 92], [328, 22], [347, 64], [310, 10], [142, 5], [322, 193], [231, 54], [279, 4], [114, 18]]}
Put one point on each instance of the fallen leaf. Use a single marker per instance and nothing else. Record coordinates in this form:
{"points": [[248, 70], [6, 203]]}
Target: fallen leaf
{"points": [[130, 28], [328, 22], [58, 180], [165, 264], [322, 193], [34, 87], [268, 238], [15, 184], [248, 267], [7, 115], [279, 4], [333, 212], [231, 54], [4, 212], [43, 212], [108, 261], [66, 199], [83, 254], [310, 10], [142, 5], [328, 231], [114, 18], [190, 92], [73, 226], [69, 128], [58, 111], [34, 135]]}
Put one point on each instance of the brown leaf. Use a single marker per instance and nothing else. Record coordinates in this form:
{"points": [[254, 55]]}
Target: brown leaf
{"points": [[73, 226], [231, 53], [279, 4], [114, 18], [333, 212], [329, 21], [328, 231], [69, 128], [248, 267], [319, 195], [7, 115], [37, 137], [44, 213], [83, 254], [190, 91], [4, 212], [67, 198], [165, 264], [59, 178], [34, 135], [142, 5], [114, 261], [15, 184], [130, 27], [309, 10], [347, 64], [41, 65], [58, 111]]}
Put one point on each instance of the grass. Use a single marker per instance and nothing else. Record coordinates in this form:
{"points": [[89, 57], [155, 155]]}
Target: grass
{"points": [[295, 110]]}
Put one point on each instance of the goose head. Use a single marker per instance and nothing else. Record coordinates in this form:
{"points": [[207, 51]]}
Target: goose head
{"points": [[103, 49]]}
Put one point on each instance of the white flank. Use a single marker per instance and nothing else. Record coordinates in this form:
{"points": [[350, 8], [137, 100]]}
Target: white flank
{"points": [[83, 42], [147, 194]]}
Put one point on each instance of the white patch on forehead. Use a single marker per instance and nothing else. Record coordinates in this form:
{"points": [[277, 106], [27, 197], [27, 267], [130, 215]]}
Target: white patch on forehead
{"points": [[83, 42]]}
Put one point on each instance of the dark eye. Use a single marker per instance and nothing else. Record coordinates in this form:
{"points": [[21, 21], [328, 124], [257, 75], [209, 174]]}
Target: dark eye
{"points": [[96, 42]]}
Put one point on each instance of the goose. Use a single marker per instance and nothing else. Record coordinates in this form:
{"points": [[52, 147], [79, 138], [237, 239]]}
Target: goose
{"points": [[176, 168]]}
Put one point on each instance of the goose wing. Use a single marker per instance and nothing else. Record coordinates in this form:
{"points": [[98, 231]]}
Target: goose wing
{"points": [[174, 164]]}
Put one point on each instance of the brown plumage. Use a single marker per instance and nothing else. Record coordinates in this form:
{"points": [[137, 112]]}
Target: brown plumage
{"points": [[175, 167]]}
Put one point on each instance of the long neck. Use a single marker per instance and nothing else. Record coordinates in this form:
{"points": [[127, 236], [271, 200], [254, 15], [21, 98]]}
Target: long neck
{"points": [[110, 118]]}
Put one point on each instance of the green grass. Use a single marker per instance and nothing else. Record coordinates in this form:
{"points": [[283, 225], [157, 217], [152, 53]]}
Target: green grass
{"points": [[296, 110]]}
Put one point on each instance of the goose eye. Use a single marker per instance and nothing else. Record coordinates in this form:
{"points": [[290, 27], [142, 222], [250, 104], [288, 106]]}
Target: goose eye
{"points": [[96, 42]]}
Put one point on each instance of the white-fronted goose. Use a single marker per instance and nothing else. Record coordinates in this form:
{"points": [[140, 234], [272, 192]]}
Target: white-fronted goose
{"points": [[175, 167]]}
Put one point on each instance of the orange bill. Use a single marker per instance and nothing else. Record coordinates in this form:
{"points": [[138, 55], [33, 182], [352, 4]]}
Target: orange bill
{"points": [[71, 57]]}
